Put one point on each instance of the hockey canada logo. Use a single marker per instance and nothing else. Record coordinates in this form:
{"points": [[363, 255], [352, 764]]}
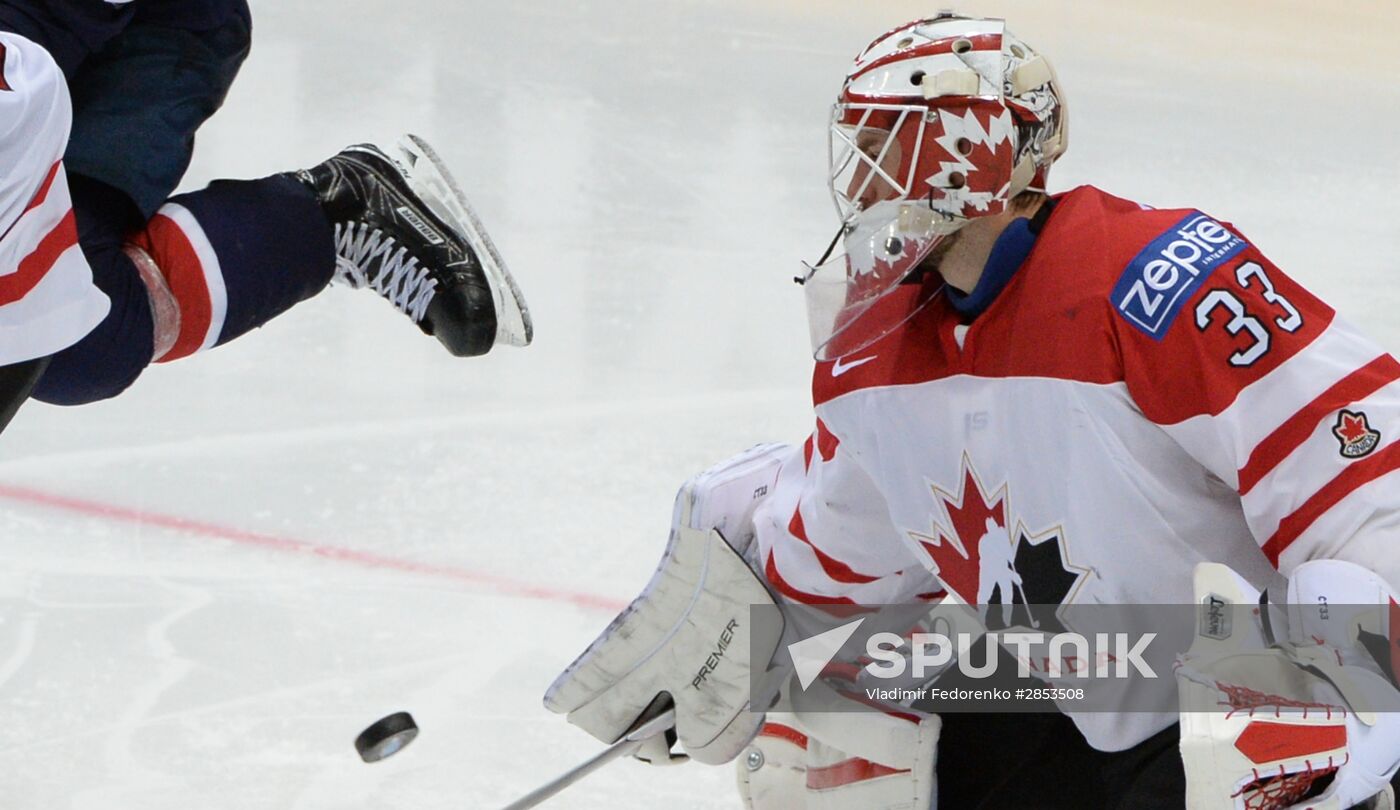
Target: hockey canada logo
{"points": [[1355, 434], [1158, 281], [1016, 575]]}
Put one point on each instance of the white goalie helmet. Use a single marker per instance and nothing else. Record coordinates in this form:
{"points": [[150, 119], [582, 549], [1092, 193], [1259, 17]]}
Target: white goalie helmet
{"points": [[938, 122]]}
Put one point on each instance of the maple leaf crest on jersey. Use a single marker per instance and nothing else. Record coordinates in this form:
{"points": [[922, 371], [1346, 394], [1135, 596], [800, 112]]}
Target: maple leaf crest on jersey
{"points": [[985, 560], [1355, 434]]}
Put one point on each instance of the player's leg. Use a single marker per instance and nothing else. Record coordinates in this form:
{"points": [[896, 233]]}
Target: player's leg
{"points": [[228, 258], [240, 252], [110, 357], [143, 77], [138, 101]]}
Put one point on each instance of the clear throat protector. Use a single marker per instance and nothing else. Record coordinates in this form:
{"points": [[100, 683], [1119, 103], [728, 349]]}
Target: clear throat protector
{"points": [[874, 150], [872, 255]]}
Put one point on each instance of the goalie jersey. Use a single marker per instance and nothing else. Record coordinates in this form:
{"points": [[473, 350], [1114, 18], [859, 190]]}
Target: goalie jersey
{"points": [[1146, 392]]}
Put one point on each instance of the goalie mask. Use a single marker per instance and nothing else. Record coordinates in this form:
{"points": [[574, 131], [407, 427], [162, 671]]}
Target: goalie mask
{"points": [[938, 122]]}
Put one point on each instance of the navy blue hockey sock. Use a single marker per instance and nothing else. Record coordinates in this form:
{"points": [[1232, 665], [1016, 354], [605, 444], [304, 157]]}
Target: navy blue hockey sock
{"points": [[237, 254], [234, 256]]}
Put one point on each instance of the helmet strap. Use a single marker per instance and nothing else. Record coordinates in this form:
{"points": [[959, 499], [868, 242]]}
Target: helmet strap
{"points": [[1021, 176]]}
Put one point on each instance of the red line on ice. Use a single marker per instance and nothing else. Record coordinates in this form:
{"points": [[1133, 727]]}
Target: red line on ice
{"points": [[121, 514]]}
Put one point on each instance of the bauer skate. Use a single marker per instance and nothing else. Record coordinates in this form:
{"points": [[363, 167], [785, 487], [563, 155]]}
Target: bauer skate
{"points": [[404, 229]]}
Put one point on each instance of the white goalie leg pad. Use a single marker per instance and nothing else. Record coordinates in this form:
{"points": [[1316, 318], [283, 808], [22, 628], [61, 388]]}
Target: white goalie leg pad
{"points": [[772, 771], [688, 635], [1286, 735], [863, 760]]}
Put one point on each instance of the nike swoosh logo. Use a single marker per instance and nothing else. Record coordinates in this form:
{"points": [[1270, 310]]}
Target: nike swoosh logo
{"points": [[837, 369]]}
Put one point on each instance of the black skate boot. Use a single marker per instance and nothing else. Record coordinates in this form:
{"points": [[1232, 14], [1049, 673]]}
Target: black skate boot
{"points": [[403, 229]]}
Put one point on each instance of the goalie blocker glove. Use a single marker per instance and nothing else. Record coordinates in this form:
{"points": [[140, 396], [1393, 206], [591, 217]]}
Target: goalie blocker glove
{"points": [[688, 639]]}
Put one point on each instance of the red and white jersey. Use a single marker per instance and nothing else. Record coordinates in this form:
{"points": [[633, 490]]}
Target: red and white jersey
{"points": [[1147, 392], [47, 298]]}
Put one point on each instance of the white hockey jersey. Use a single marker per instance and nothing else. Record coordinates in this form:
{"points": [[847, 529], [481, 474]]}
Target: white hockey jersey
{"points": [[47, 298], [1147, 392]]}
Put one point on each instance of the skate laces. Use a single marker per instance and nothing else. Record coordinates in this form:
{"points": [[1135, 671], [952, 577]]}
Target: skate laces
{"points": [[369, 257]]}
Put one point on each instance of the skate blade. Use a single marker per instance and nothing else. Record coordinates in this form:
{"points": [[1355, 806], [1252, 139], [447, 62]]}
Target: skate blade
{"points": [[429, 176]]}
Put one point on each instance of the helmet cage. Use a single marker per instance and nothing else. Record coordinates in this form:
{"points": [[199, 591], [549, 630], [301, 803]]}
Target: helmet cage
{"points": [[941, 121], [854, 170]]}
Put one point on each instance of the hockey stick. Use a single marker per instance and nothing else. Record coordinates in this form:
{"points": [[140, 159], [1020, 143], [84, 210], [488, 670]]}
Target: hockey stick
{"points": [[621, 748], [1029, 615]]}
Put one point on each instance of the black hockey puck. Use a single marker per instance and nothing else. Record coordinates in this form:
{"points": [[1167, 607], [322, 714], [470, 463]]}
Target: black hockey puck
{"points": [[386, 737]]}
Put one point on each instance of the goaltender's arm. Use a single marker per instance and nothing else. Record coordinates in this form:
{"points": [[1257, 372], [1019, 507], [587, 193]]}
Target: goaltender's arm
{"points": [[1283, 400]]}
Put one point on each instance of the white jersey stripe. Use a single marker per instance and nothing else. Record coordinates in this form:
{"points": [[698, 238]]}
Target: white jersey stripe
{"points": [[1224, 442], [35, 225], [58, 312], [1315, 463]]}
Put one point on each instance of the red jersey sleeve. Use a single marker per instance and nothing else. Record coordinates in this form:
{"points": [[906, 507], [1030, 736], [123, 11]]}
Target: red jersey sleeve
{"points": [[1269, 390]]}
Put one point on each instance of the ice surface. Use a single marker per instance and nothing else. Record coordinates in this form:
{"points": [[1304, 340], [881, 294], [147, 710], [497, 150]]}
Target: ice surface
{"points": [[210, 585]]}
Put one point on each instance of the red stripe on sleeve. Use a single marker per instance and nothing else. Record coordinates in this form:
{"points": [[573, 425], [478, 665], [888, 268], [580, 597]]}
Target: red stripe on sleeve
{"points": [[175, 256], [38, 198], [1290, 435], [43, 192], [832, 567], [847, 772], [1347, 481], [770, 571], [36, 265]]}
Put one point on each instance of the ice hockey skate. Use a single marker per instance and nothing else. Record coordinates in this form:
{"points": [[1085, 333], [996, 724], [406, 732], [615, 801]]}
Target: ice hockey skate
{"points": [[404, 229]]}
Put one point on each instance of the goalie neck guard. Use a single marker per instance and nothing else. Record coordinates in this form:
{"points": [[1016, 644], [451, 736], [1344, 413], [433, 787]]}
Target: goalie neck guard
{"points": [[938, 122]]}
